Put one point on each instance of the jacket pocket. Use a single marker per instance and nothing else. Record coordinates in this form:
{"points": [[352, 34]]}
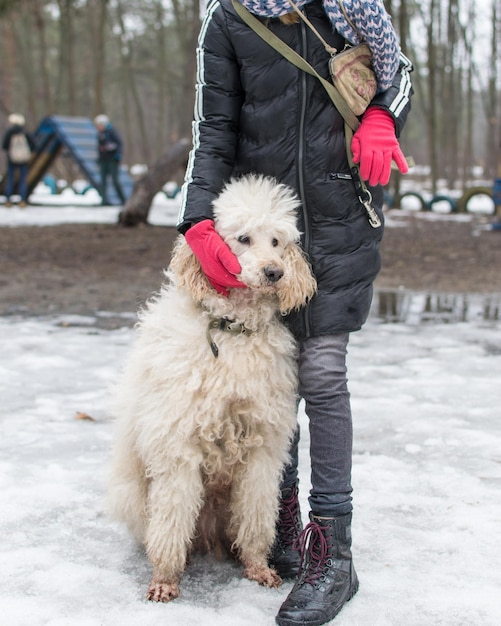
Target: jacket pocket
{"points": [[337, 197]]}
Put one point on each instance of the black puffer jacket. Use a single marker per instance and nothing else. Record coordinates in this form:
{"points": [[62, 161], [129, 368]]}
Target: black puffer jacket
{"points": [[256, 112]]}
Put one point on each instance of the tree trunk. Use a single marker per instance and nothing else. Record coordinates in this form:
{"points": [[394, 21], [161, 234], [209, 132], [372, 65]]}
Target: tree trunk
{"points": [[138, 205], [187, 20], [468, 150], [7, 68], [492, 144], [21, 28], [451, 122], [99, 17], [161, 72], [43, 62], [126, 50], [66, 97], [432, 90]]}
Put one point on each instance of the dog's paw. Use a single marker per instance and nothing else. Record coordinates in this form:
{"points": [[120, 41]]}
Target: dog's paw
{"points": [[162, 592], [263, 575]]}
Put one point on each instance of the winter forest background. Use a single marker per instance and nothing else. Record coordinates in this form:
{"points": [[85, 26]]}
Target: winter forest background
{"points": [[425, 385], [135, 61]]}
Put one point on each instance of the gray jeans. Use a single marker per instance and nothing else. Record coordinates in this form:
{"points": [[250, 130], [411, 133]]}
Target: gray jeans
{"points": [[323, 386]]}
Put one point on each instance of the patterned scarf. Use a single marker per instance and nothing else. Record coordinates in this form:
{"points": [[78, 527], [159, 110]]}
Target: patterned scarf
{"points": [[369, 18]]}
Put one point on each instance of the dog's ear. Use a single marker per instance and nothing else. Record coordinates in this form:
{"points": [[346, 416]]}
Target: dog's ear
{"points": [[298, 284], [187, 271]]}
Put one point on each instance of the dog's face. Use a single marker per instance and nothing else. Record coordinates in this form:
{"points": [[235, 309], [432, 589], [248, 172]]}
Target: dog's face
{"points": [[256, 217], [261, 252]]}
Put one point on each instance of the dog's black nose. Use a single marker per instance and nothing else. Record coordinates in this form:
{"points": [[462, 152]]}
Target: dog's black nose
{"points": [[273, 274]]}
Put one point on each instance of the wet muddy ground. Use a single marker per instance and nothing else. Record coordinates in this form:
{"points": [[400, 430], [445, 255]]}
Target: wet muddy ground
{"points": [[84, 268]]}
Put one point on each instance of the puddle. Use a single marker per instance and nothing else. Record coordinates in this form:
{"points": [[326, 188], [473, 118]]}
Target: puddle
{"points": [[419, 308]]}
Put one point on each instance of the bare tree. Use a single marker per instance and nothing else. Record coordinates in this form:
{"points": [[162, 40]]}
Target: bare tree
{"points": [[493, 147], [136, 61], [432, 65], [42, 60], [66, 92], [161, 73], [98, 17], [127, 53], [187, 21], [468, 37]]}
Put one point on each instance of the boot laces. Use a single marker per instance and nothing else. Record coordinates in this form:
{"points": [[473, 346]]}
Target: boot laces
{"points": [[316, 549], [288, 520]]}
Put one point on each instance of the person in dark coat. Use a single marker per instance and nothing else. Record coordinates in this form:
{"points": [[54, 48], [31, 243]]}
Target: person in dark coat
{"points": [[109, 145], [18, 145], [257, 112]]}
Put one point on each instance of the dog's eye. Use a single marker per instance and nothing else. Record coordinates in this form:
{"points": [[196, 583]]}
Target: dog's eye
{"points": [[245, 239], [274, 242]]}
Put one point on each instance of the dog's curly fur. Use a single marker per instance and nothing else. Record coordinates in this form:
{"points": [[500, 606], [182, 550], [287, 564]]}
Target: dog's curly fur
{"points": [[201, 440]]}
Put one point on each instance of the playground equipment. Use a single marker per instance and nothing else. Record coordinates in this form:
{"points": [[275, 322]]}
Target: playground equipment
{"points": [[459, 205], [76, 137], [470, 193]]}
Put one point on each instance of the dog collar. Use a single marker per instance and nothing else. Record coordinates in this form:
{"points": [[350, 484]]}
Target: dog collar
{"points": [[226, 325]]}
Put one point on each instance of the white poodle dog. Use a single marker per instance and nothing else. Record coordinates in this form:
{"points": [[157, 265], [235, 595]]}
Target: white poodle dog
{"points": [[206, 406]]}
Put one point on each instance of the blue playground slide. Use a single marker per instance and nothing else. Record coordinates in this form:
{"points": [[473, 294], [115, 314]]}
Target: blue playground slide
{"points": [[75, 138]]}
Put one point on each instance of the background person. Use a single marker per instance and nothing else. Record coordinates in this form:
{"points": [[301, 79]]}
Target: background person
{"points": [[109, 145], [257, 112], [18, 145]]}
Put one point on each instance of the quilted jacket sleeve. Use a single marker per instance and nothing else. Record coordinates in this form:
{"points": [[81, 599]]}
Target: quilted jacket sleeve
{"points": [[397, 98], [218, 101]]}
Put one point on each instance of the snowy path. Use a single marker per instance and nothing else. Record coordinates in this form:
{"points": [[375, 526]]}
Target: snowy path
{"points": [[427, 479]]}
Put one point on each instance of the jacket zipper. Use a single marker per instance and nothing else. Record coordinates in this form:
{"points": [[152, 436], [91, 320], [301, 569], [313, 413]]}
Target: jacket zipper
{"points": [[300, 165]]}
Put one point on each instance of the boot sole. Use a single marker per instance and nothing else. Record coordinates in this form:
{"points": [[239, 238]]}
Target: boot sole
{"points": [[285, 621]]}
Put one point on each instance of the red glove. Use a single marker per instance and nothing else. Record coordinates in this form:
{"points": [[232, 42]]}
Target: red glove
{"points": [[218, 262], [374, 145]]}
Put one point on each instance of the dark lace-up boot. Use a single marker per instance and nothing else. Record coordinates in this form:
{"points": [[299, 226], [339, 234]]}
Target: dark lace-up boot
{"points": [[327, 578], [284, 557]]}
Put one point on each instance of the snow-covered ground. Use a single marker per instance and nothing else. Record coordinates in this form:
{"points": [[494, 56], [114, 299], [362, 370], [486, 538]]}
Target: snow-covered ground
{"points": [[69, 207], [427, 478]]}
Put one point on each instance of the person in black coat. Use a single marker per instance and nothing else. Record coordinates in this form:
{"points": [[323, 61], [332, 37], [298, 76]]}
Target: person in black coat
{"points": [[257, 112], [18, 145], [109, 145]]}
